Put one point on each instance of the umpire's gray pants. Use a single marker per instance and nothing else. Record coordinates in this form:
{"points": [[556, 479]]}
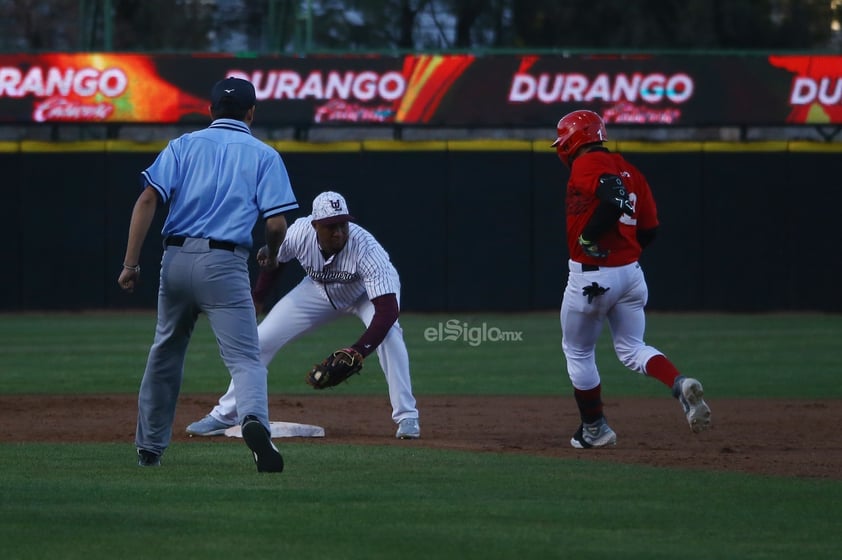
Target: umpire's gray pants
{"points": [[194, 279]]}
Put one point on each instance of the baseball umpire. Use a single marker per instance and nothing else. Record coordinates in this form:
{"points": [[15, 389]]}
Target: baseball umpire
{"points": [[611, 216], [217, 182]]}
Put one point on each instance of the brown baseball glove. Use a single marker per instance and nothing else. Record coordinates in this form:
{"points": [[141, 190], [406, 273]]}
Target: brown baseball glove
{"points": [[335, 369]]}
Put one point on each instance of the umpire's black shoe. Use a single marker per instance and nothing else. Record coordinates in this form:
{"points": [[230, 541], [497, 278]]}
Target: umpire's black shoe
{"points": [[266, 455], [148, 458]]}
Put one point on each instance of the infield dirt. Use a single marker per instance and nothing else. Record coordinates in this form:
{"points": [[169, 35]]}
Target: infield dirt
{"points": [[772, 437]]}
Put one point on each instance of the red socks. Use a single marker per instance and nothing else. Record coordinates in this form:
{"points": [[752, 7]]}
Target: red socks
{"points": [[589, 403], [662, 369]]}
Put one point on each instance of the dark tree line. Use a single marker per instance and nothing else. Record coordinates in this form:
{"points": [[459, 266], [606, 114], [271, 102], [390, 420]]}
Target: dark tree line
{"points": [[286, 26]]}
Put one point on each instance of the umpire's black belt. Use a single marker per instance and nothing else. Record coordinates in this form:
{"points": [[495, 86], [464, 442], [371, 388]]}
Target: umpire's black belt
{"points": [[178, 241]]}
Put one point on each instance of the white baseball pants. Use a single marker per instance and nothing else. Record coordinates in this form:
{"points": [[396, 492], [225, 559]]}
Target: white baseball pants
{"points": [[581, 321], [305, 308]]}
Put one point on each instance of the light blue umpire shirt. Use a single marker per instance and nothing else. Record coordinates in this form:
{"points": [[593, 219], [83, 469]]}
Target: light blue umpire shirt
{"points": [[215, 197], [217, 181]]}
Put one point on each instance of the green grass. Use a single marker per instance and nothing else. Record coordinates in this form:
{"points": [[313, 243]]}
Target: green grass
{"points": [[764, 355], [336, 501], [81, 501]]}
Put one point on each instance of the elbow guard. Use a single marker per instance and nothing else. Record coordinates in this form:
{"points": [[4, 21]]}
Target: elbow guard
{"points": [[612, 190]]}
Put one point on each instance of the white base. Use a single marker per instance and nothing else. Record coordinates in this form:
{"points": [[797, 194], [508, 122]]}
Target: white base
{"points": [[283, 429]]}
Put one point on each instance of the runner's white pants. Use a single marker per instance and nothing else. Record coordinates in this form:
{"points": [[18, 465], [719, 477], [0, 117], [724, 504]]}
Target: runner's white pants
{"points": [[622, 304]]}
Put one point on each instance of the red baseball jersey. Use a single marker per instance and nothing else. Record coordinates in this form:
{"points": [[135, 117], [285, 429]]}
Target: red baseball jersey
{"points": [[621, 239]]}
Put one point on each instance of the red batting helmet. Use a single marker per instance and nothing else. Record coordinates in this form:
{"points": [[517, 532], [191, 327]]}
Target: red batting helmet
{"points": [[575, 130]]}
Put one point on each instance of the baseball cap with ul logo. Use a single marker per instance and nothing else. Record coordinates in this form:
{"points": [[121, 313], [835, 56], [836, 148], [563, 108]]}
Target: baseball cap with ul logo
{"points": [[330, 208]]}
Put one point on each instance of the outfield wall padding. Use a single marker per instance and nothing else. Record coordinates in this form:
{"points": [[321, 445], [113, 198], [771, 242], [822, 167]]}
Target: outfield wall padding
{"points": [[474, 226]]}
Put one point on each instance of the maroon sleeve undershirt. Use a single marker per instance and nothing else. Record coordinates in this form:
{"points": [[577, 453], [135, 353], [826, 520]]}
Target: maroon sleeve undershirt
{"points": [[385, 314], [265, 281]]}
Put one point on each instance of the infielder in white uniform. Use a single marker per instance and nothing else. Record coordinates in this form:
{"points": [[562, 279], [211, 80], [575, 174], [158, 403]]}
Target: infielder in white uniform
{"points": [[348, 273]]}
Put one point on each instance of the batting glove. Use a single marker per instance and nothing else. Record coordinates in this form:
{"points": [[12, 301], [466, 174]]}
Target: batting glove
{"points": [[591, 249]]}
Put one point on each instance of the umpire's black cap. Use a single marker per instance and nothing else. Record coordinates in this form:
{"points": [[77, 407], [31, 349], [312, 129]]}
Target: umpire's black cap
{"points": [[233, 92]]}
